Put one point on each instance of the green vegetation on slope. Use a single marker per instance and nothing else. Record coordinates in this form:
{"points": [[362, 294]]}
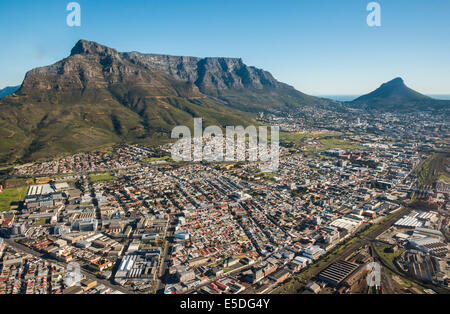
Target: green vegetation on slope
{"points": [[79, 104]]}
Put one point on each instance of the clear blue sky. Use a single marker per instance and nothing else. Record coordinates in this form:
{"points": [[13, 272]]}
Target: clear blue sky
{"points": [[318, 46]]}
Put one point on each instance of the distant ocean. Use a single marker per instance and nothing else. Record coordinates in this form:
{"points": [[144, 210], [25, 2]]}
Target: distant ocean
{"points": [[443, 97], [353, 97], [340, 97]]}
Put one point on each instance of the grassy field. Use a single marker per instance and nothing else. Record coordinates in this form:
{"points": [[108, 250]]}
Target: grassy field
{"points": [[153, 159], [328, 140], [101, 177], [387, 257], [267, 175], [16, 182], [337, 143], [332, 143], [40, 222], [12, 195], [297, 137], [43, 179]]}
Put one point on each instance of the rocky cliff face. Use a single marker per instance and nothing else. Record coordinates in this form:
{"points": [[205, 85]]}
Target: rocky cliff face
{"points": [[209, 74], [93, 66], [206, 73], [229, 79], [98, 97]]}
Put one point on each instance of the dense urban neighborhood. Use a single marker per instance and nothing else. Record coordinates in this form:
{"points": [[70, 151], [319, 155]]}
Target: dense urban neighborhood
{"points": [[349, 192]]}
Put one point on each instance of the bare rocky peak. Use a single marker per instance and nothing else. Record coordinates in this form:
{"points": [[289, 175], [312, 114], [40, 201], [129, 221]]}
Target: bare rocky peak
{"points": [[207, 73], [92, 66], [84, 47], [90, 63]]}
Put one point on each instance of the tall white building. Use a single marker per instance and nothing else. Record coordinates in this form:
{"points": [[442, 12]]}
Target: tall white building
{"points": [[313, 252]]}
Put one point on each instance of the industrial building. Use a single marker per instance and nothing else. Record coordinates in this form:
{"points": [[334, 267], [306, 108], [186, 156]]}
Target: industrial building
{"points": [[336, 273]]}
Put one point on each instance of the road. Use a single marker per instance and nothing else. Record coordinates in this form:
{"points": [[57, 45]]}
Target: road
{"points": [[164, 271]]}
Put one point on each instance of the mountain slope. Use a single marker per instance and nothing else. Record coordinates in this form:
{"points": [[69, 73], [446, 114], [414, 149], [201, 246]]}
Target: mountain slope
{"points": [[230, 80], [396, 96], [94, 98], [8, 91]]}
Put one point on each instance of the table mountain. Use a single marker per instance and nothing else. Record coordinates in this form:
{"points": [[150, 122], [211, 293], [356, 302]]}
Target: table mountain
{"points": [[98, 96], [229, 79]]}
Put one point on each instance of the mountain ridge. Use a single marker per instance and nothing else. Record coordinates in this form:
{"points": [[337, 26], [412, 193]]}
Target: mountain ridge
{"points": [[396, 96], [9, 90], [93, 98], [98, 96]]}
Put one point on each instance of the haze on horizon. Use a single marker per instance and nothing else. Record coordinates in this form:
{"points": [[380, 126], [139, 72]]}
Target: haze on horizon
{"points": [[321, 47]]}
